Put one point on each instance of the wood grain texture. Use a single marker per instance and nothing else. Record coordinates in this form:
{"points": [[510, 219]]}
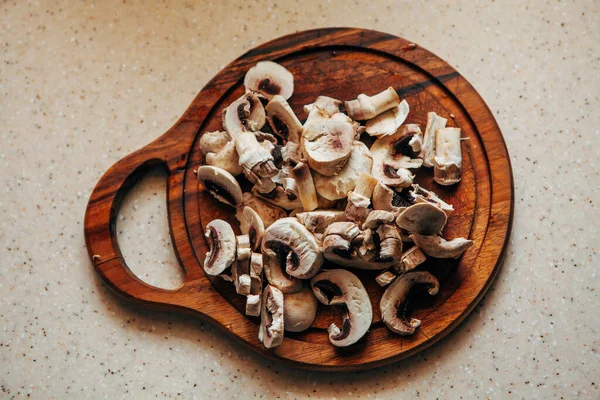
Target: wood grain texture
{"points": [[338, 62]]}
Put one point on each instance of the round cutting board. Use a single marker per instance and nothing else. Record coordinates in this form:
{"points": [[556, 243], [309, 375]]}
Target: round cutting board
{"points": [[340, 63]]}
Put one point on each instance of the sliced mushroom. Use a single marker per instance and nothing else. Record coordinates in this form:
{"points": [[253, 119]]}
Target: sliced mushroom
{"points": [[390, 247], [323, 108], [337, 187], [253, 305], [378, 217], [341, 251], [266, 137], [367, 107], [243, 249], [245, 114], [386, 277], [392, 157], [327, 145], [267, 212], [384, 198], [438, 247], [411, 259], [256, 271], [421, 195], [388, 122], [447, 162], [281, 190], [251, 224], [221, 184], [394, 297], [222, 244], [306, 186], [359, 200], [317, 221], [434, 122], [274, 269], [422, 218], [269, 79], [341, 287], [272, 325], [213, 142], [282, 119], [300, 310], [255, 160], [240, 274], [295, 247], [227, 158]]}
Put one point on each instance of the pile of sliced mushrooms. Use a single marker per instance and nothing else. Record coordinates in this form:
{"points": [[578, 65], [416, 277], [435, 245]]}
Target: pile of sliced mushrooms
{"points": [[321, 194]]}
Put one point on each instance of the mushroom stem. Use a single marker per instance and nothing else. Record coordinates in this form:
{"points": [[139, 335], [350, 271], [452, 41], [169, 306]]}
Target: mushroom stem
{"points": [[366, 107], [256, 161], [306, 186], [411, 259], [438, 247], [448, 156], [272, 325], [434, 122], [365, 184]]}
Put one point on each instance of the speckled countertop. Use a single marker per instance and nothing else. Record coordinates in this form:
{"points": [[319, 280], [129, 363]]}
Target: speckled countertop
{"points": [[83, 84]]}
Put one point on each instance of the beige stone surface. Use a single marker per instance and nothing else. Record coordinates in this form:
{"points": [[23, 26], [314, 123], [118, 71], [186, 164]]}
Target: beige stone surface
{"points": [[83, 84]]}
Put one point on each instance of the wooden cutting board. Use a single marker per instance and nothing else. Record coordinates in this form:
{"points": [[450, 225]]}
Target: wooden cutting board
{"points": [[341, 63]]}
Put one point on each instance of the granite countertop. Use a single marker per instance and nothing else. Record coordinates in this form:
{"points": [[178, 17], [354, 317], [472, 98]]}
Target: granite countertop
{"points": [[83, 84]]}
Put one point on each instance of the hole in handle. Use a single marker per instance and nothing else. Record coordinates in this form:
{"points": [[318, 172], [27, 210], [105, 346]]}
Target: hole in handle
{"points": [[143, 232]]}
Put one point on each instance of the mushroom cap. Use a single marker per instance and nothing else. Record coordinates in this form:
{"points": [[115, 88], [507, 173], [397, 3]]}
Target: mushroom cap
{"points": [[222, 247], [295, 247], [274, 269], [337, 187], [387, 123], [282, 119], [213, 142], [269, 79], [395, 295], [438, 247], [244, 114], [300, 310], [338, 286], [378, 217], [422, 218], [317, 221], [327, 144], [272, 325], [227, 158], [251, 224], [221, 184], [340, 251]]}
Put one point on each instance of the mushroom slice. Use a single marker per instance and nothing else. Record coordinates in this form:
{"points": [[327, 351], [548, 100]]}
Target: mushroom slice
{"points": [[341, 287], [221, 184], [317, 221], [274, 270], [392, 157], [267, 212], [269, 79], [340, 251], [337, 187], [327, 145], [253, 305], [385, 278], [323, 108], [347, 230], [213, 142], [243, 249], [359, 200], [434, 122], [271, 328], [438, 247], [222, 245], [447, 162], [388, 122], [281, 191], [240, 274], [384, 198], [282, 119], [365, 107], [256, 270], [422, 218], [295, 247], [395, 295], [378, 217], [421, 195], [300, 310], [227, 158], [245, 114], [306, 186], [411, 259], [390, 246], [251, 224], [255, 160]]}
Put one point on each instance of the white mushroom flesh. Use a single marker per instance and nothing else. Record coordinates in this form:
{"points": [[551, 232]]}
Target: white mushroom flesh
{"points": [[222, 247], [327, 145], [447, 163], [272, 325], [438, 247], [367, 107], [300, 310], [388, 122], [221, 184], [269, 79], [434, 122]]}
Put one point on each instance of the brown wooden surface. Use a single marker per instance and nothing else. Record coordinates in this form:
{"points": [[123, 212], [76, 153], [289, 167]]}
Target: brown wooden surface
{"points": [[340, 63]]}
